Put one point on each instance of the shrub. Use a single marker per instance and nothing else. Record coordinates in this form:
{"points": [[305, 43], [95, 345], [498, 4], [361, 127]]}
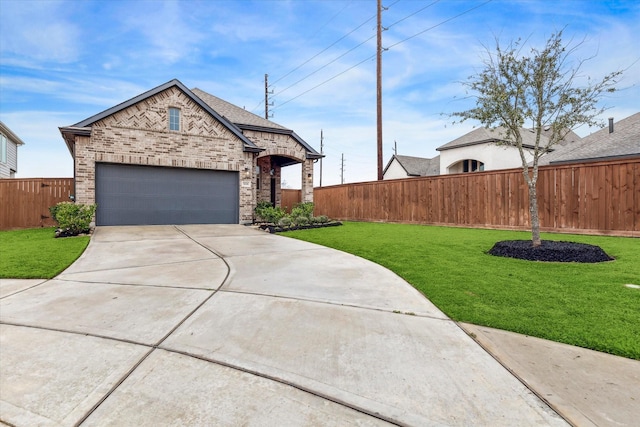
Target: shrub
{"points": [[261, 207], [301, 220], [268, 213], [302, 210], [73, 218], [322, 219], [285, 222], [54, 210]]}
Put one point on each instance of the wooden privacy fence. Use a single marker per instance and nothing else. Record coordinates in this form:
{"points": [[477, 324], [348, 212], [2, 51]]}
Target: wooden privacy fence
{"points": [[290, 198], [25, 203], [599, 198]]}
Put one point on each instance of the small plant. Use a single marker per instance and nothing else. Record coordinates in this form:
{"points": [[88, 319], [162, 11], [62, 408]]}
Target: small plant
{"points": [[322, 219], [268, 213], [73, 218], [302, 210], [285, 222], [261, 206], [301, 221]]}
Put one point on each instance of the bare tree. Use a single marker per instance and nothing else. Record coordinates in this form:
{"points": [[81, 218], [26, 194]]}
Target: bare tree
{"points": [[540, 90]]}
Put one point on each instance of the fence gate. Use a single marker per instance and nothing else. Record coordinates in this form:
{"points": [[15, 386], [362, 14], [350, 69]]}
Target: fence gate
{"points": [[24, 203]]}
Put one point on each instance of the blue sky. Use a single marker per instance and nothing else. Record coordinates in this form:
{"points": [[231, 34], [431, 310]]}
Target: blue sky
{"points": [[63, 61]]}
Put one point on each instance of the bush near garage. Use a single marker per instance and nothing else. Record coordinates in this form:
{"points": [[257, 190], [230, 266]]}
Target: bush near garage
{"points": [[72, 218], [275, 219]]}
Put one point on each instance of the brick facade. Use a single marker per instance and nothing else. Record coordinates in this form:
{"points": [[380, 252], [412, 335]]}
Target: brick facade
{"points": [[140, 135], [137, 132], [280, 145]]}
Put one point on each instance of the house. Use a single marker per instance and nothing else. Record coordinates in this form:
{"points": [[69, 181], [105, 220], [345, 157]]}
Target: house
{"points": [[408, 166], [172, 155], [617, 141], [482, 149], [9, 143]]}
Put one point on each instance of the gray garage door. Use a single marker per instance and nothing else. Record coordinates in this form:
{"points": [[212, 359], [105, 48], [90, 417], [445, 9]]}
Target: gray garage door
{"points": [[136, 195]]}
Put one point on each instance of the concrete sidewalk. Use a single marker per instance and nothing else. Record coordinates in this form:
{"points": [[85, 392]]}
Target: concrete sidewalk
{"points": [[588, 388], [227, 325]]}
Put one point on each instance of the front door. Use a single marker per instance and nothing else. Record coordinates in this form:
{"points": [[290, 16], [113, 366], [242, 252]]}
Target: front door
{"points": [[273, 192]]}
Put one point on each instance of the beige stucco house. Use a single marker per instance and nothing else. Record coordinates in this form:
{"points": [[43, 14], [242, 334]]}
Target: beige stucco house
{"points": [[484, 149], [173, 155], [9, 143]]}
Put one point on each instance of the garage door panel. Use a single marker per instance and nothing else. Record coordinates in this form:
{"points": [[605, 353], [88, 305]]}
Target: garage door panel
{"points": [[131, 195]]}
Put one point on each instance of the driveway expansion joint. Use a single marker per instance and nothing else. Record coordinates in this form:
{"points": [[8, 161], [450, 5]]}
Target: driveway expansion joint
{"points": [[332, 303]]}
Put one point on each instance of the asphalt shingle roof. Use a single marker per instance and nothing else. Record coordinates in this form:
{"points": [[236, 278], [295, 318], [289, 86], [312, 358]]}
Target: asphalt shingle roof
{"points": [[233, 113], [624, 141], [418, 166], [244, 119], [484, 135]]}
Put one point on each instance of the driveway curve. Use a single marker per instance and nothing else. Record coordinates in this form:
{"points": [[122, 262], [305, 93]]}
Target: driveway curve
{"points": [[228, 325]]}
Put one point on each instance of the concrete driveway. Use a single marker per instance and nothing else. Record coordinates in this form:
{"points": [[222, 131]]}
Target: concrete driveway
{"points": [[226, 325]]}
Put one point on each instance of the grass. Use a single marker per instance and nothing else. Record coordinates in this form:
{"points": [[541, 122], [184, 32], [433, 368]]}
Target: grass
{"points": [[586, 305], [35, 253]]}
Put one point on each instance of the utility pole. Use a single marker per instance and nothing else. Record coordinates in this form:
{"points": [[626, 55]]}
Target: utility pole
{"points": [[342, 170], [379, 89], [321, 152], [266, 96], [395, 147]]}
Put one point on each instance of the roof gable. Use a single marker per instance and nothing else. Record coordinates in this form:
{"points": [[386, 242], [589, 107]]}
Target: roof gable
{"points": [[87, 123]]}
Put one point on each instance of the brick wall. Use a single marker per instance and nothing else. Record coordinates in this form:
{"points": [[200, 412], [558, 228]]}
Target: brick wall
{"points": [[140, 135], [283, 146]]}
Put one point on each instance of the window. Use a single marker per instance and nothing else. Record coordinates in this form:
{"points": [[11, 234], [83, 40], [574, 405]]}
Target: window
{"points": [[174, 119], [472, 166], [3, 148]]}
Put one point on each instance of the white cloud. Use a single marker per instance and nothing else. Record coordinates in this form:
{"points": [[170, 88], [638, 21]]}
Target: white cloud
{"points": [[29, 34], [98, 54]]}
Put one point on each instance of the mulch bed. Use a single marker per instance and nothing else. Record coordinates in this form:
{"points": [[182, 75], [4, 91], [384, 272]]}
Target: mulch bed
{"points": [[66, 233], [277, 229], [550, 250]]}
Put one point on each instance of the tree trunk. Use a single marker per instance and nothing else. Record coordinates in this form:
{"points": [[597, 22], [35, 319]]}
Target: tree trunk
{"points": [[533, 214]]}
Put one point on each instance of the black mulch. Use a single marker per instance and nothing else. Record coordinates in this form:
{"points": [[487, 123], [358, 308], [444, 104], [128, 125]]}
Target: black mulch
{"points": [[550, 251], [277, 229]]}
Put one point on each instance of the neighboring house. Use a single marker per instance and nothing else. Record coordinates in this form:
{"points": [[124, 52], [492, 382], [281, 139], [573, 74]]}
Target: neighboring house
{"points": [[175, 156], [9, 143], [408, 166], [617, 141], [480, 150]]}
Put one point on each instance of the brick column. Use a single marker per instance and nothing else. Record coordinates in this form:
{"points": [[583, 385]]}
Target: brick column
{"points": [[307, 181]]}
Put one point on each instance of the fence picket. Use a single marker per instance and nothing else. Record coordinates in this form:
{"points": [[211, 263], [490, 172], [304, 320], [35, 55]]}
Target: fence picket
{"points": [[596, 197], [24, 203]]}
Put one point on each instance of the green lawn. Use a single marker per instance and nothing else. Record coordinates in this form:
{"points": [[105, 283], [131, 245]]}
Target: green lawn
{"points": [[580, 304], [35, 254]]}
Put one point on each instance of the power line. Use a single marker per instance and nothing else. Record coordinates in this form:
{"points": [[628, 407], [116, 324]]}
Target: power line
{"points": [[414, 13], [374, 55], [331, 19], [319, 53], [325, 49], [324, 66], [326, 81], [440, 23]]}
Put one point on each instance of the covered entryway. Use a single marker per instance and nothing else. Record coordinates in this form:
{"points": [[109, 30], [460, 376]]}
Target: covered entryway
{"points": [[145, 195]]}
